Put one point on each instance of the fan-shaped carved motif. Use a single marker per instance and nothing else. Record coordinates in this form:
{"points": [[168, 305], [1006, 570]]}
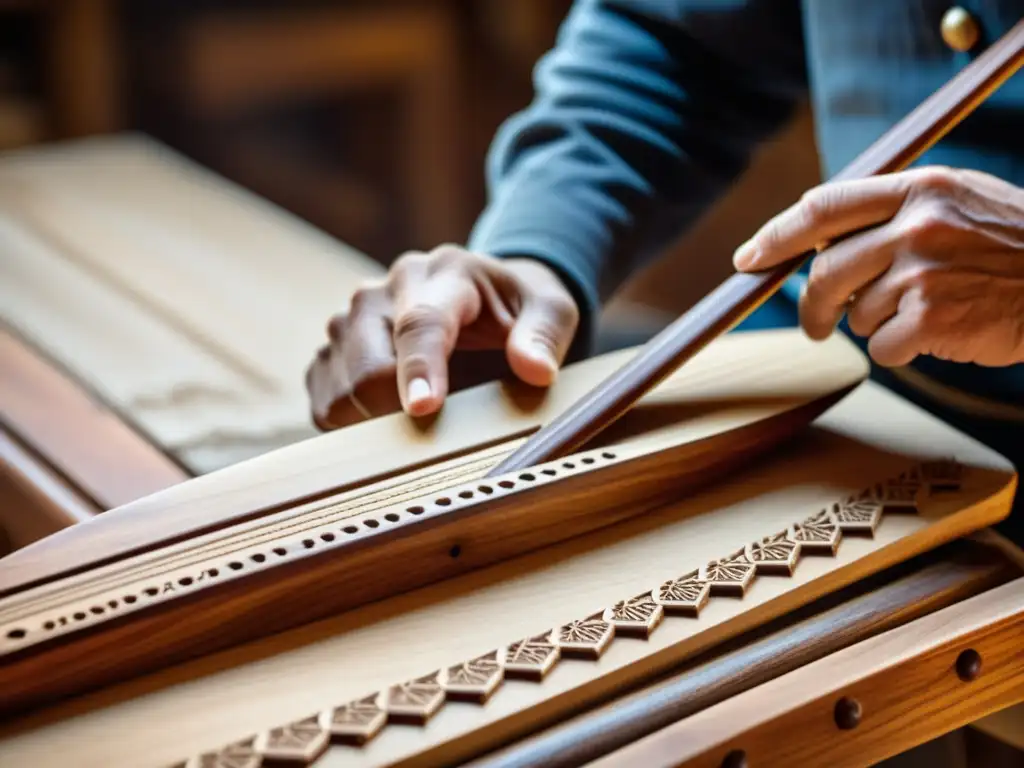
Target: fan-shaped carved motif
{"points": [[474, 680], [636, 617], [774, 554], [859, 515], [415, 701], [358, 721], [299, 743], [531, 659], [241, 754], [585, 637], [686, 595], [817, 535], [731, 575]]}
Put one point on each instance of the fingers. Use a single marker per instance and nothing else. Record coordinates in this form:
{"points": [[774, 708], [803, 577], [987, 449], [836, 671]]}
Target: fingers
{"points": [[325, 381], [430, 311], [876, 303], [368, 355], [541, 337], [840, 272], [901, 338], [824, 214]]}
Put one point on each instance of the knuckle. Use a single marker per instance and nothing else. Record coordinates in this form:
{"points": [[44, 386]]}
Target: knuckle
{"points": [[816, 205], [405, 262], [937, 179], [447, 254], [420, 319], [926, 225]]}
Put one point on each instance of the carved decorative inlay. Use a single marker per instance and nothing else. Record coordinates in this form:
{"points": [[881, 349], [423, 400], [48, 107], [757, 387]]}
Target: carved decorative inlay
{"points": [[358, 721], [730, 576], [241, 754], [532, 658], [585, 638], [774, 554], [166, 576], [474, 680], [415, 701], [817, 535], [901, 492], [859, 516], [684, 596], [299, 743], [636, 617]]}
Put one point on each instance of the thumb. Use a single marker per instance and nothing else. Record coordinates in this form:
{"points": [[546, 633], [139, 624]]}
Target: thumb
{"points": [[541, 337]]}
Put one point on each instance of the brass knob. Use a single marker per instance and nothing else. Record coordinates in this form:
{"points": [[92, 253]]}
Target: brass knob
{"points": [[959, 29]]}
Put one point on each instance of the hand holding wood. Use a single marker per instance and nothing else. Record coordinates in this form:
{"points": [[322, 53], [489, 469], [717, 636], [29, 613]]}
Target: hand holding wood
{"points": [[925, 262]]}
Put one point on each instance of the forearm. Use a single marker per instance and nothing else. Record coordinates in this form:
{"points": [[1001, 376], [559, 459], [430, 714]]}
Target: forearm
{"points": [[644, 113]]}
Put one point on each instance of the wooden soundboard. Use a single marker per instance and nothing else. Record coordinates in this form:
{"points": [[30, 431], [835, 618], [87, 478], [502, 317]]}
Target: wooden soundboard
{"points": [[443, 673]]}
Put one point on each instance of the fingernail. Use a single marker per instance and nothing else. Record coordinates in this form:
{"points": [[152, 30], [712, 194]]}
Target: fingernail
{"points": [[419, 390], [746, 255]]}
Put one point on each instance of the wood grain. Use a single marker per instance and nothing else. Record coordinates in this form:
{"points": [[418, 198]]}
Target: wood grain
{"points": [[228, 696], [908, 686], [94, 449], [181, 300], [741, 379], [863, 610], [234, 586], [741, 294]]}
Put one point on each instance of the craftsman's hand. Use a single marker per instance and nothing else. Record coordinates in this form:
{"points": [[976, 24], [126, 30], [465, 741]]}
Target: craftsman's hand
{"points": [[391, 350], [924, 262]]}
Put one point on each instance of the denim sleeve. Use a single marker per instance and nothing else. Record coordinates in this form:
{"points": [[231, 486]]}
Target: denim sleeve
{"points": [[644, 112]]}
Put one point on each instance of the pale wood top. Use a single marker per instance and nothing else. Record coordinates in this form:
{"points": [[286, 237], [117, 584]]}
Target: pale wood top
{"points": [[187, 303], [740, 372], [221, 698]]}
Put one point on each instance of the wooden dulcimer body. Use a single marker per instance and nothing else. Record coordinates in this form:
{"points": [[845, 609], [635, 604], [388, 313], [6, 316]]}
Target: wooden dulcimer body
{"points": [[319, 604]]}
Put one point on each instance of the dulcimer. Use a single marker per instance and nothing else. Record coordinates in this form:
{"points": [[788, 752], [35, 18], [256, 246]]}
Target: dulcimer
{"points": [[391, 505]]}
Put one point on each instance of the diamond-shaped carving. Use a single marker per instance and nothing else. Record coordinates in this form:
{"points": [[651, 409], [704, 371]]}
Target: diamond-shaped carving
{"points": [[775, 554], [474, 680], [686, 595], [532, 658], [730, 576], [241, 754], [415, 701], [299, 743], [358, 721], [817, 535], [585, 638], [860, 515], [636, 617]]}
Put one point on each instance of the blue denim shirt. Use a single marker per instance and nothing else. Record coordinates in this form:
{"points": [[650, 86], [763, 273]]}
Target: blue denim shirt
{"points": [[647, 110]]}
